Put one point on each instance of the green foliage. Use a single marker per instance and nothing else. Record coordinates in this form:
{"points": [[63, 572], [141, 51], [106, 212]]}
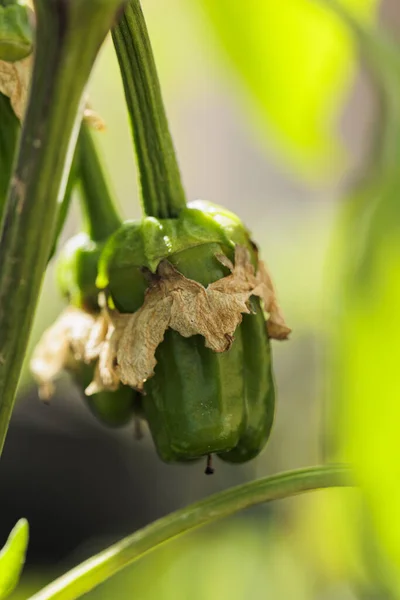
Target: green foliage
{"points": [[295, 62], [12, 558], [365, 382]]}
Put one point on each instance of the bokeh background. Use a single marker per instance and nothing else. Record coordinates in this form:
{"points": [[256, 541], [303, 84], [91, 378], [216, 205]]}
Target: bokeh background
{"points": [[272, 115]]}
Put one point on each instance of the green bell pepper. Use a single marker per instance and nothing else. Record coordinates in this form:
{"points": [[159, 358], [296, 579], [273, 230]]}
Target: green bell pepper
{"points": [[198, 402]]}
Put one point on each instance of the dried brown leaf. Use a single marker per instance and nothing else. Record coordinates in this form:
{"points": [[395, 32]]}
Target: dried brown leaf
{"points": [[61, 346], [14, 83], [124, 345], [174, 301], [276, 326], [139, 339], [93, 119], [106, 375]]}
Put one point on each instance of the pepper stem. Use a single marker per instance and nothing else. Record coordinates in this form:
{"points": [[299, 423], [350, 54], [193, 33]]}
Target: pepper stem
{"points": [[100, 214], [161, 187]]}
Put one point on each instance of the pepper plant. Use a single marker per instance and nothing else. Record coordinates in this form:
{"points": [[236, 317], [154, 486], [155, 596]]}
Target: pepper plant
{"points": [[170, 319]]}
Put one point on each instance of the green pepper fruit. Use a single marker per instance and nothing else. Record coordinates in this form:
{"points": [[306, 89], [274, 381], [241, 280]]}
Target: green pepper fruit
{"points": [[198, 402], [16, 30], [112, 409], [76, 274], [76, 271], [77, 263]]}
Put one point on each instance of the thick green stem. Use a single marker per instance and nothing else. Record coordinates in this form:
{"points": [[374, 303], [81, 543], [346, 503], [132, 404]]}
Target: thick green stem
{"points": [[99, 568], [69, 34], [100, 214], [162, 192]]}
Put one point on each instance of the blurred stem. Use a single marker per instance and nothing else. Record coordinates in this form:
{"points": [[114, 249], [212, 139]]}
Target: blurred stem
{"points": [[162, 192], [99, 568], [382, 60], [369, 200], [100, 214], [69, 34]]}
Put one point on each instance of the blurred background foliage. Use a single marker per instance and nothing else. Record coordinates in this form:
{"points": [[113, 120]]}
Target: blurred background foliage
{"points": [[274, 117]]}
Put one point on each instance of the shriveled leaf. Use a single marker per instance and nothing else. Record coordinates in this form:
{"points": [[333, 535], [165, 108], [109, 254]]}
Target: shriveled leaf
{"points": [[105, 375], [12, 558], [93, 119], [276, 326], [176, 302], [61, 345], [123, 346], [14, 83]]}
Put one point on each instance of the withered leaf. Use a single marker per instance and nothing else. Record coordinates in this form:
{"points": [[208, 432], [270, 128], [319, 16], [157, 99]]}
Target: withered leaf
{"points": [[276, 326], [123, 346], [14, 83], [65, 344], [189, 308], [103, 347]]}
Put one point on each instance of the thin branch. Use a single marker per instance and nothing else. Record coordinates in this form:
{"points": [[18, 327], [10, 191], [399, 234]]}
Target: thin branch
{"points": [[101, 215], [104, 565]]}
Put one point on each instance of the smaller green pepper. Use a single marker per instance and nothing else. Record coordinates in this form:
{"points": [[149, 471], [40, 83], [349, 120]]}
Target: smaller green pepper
{"points": [[77, 262], [76, 276], [112, 409], [76, 271], [16, 30]]}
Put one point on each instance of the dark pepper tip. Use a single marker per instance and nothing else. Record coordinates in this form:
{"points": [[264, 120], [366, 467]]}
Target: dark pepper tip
{"points": [[209, 470]]}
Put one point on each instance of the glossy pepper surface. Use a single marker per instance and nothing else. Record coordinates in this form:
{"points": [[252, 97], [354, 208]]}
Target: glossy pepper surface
{"points": [[16, 30]]}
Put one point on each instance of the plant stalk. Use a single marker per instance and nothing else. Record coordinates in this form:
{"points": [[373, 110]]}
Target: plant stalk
{"points": [[161, 187], [100, 214], [104, 565], [69, 34]]}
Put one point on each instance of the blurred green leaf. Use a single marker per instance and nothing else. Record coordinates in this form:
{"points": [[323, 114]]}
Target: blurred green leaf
{"points": [[366, 320], [12, 558], [241, 559], [296, 62]]}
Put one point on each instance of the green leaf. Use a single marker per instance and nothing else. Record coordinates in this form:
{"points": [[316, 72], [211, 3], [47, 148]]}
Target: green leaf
{"points": [[296, 63], [365, 379], [12, 558]]}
